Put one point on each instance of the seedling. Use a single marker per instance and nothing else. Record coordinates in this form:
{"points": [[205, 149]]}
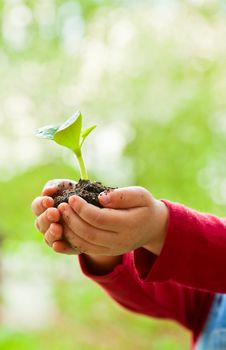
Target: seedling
{"points": [[70, 135]]}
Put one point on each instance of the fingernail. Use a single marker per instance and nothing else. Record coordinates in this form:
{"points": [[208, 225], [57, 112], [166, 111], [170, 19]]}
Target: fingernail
{"points": [[45, 203], [104, 198], [62, 207], [72, 200]]}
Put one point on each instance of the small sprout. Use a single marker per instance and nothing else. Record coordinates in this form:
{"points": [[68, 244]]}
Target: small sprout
{"points": [[70, 135]]}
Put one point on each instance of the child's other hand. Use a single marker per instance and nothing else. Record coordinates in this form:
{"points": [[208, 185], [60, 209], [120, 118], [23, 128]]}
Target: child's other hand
{"points": [[131, 218], [48, 217]]}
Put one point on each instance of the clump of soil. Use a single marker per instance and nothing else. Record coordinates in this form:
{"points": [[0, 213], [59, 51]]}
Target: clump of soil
{"points": [[85, 189]]}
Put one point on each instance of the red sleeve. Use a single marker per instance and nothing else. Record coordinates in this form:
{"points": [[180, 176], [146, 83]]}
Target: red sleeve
{"points": [[162, 300], [194, 253]]}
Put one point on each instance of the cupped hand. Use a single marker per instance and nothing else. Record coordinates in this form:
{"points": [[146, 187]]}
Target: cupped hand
{"points": [[48, 217], [131, 218]]}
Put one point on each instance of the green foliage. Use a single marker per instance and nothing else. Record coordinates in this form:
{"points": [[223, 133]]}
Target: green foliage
{"points": [[156, 73], [17, 219], [11, 340], [70, 135], [88, 320]]}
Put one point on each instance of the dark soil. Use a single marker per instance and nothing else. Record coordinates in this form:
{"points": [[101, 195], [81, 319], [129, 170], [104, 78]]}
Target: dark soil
{"points": [[85, 189]]}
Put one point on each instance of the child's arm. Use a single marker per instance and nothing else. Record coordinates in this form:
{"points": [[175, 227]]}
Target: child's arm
{"points": [[101, 265], [194, 252], [192, 249], [127, 277]]}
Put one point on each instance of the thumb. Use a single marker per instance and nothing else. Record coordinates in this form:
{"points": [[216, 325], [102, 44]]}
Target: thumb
{"points": [[125, 197]]}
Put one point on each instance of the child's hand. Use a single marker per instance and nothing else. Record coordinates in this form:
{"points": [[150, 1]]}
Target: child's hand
{"points": [[48, 217], [136, 220], [131, 218]]}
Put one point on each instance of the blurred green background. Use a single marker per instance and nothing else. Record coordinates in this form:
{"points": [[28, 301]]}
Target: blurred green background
{"points": [[152, 75]]}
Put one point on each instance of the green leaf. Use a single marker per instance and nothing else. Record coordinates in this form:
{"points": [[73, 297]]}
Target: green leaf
{"points": [[86, 132], [47, 132], [69, 133]]}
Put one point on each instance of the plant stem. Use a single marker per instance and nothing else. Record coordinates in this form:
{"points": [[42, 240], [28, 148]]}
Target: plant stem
{"points": [[83, 172]]}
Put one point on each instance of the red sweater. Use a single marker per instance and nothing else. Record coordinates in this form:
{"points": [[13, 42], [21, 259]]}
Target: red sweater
{"points": [[181, 282]]}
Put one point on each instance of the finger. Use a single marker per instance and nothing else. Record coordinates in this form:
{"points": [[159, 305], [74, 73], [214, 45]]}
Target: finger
{"points": [[54, 233], [84, 230], [40, 204], [53, 186], [44, 221], [125, 198], [63, 248], [103, 218], [82, 245]]}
